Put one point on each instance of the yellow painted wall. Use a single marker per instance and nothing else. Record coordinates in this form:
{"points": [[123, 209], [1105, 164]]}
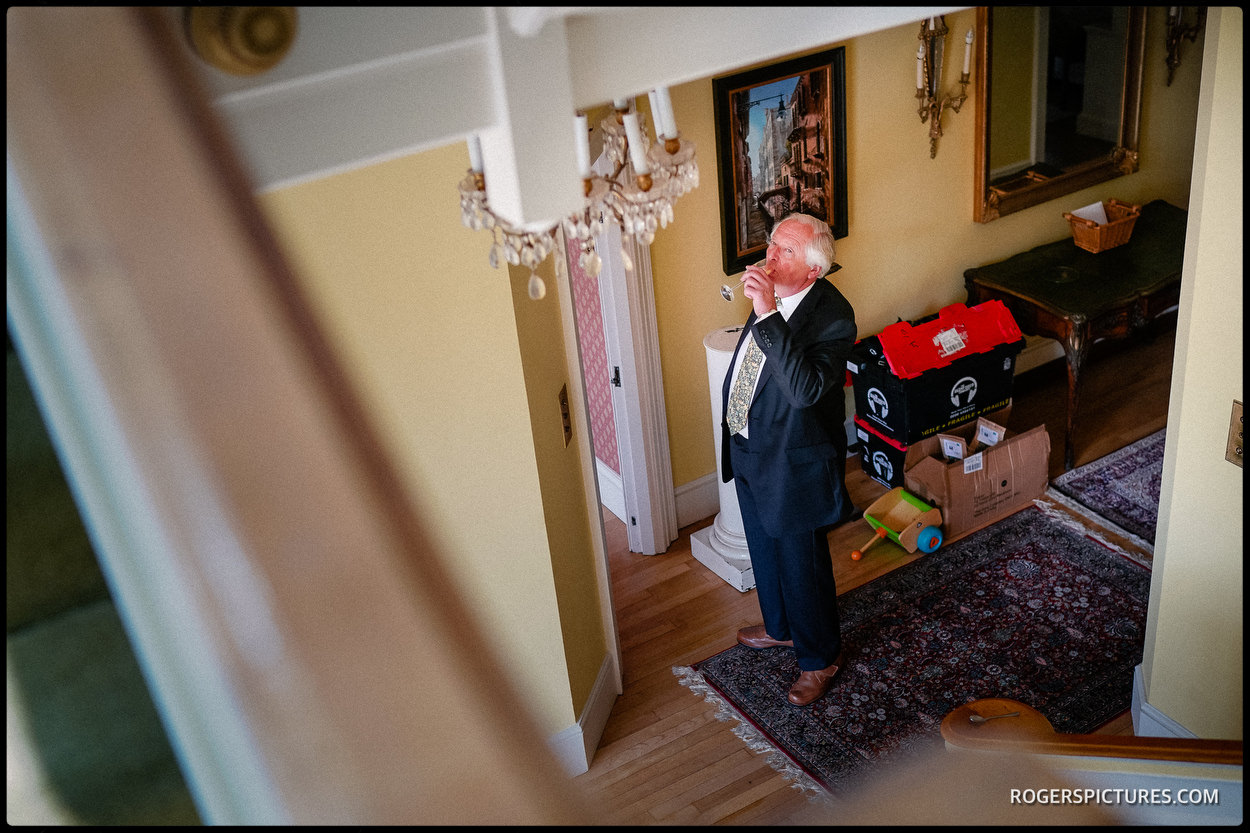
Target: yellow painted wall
{"points": [[1194, 633], [911, 229], [560, 479], [427, 330]]}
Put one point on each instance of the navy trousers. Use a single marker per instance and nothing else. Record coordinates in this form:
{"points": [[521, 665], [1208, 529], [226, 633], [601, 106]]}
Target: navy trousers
{"points": [[793, 577]]}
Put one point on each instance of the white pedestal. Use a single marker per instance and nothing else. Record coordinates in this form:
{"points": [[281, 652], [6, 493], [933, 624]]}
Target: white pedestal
{"points": [[722, 547]]}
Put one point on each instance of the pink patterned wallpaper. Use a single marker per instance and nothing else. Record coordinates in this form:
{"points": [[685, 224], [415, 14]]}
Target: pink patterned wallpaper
{"points": [[594, 360]]}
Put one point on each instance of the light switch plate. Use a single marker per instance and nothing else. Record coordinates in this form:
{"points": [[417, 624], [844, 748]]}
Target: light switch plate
{"points": [[1236, 441], [565, 417]]}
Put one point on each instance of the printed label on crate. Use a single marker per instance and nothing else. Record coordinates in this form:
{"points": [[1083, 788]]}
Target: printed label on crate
{"points": [[883, 467], [949, 342], [964, 415], [878, 403], [964, 391], [973, 463]]}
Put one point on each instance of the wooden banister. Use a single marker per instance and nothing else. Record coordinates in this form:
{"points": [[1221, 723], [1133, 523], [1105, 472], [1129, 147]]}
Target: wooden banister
{"points": [[299, 625], [1001, 725]]}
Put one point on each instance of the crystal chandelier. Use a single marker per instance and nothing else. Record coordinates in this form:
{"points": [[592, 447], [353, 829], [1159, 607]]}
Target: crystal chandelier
{"points": [[638, 196]]}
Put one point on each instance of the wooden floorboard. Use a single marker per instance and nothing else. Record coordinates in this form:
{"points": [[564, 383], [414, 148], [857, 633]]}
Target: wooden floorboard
{"points": [[665, 758]]}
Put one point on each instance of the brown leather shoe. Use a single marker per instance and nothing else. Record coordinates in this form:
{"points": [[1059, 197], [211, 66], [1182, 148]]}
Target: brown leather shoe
{"points": [[812, 685], [756, 637]]}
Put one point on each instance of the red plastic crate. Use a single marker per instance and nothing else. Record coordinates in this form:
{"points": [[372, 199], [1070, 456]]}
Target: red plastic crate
{"points": [[958, 331]]}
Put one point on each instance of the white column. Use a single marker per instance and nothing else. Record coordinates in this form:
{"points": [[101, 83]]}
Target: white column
{"points": [[722, 547]]}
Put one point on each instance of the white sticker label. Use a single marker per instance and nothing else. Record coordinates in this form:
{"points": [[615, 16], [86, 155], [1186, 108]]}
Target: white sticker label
{"points": [[972, 463], [988, 435], [953, 449], [948, 342]]}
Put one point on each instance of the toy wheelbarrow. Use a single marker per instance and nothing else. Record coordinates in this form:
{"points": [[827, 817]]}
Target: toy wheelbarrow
{"points": [[906, 520]]}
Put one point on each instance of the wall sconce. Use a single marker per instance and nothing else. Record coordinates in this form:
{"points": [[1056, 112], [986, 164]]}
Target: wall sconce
{"points": [[1177, 31], [929, 56]]}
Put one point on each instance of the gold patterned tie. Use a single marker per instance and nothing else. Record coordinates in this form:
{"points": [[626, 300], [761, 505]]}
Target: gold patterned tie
{"points": [[744, 386]]}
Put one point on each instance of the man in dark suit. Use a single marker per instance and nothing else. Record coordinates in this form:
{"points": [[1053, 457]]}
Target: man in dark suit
{"points": [[784, 445]]}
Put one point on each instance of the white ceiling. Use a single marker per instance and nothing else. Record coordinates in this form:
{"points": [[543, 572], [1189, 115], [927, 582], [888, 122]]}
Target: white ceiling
{"points": [[364, 84]]}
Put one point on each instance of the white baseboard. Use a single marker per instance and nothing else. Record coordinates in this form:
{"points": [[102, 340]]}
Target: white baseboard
{"points": [[611, 489], [697, 499], [1037, 352], [1148, 721], [575, 746]]}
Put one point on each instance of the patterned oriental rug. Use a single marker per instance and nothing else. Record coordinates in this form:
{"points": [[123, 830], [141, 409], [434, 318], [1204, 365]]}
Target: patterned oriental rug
{"points": [[1119, 491], [1026, 609]]}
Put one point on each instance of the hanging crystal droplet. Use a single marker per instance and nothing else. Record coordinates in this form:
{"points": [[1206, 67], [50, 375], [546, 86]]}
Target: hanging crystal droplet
{"points": [[537, 288], [617, 201]]}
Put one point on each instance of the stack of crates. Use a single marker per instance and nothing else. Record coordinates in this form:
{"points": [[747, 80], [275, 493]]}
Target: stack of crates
{"points": [[915, 380]]}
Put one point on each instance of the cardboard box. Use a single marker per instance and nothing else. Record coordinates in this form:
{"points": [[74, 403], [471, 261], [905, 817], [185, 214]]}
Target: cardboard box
{"points": [[984, 487], [913, 381]]}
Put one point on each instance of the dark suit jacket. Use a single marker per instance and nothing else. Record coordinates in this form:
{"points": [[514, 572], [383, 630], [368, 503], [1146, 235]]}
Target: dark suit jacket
{"points": [[796, 421]]}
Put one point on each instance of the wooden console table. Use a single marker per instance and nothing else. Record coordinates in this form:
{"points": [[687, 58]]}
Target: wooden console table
{"points": [[1077, 297]]}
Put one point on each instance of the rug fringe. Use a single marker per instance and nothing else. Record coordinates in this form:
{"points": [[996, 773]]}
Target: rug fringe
{"points": [[754, 739], [1064, 519]]}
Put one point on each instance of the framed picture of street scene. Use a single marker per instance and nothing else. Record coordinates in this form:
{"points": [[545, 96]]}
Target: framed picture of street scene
{"points": [[781, 148]]}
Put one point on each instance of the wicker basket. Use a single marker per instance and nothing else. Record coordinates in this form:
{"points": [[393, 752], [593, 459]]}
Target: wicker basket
{"points": [[1121, 217]]}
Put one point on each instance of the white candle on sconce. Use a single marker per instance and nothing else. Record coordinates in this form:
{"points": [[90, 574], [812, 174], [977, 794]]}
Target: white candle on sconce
{"points": [[666, 116], [637, 150], [920, 67], [968, 52], [475, 153], [656, 116], [581, 134]]}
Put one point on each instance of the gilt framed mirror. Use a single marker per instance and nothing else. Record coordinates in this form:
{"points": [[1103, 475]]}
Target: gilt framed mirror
{"points": [[1058, 104]]}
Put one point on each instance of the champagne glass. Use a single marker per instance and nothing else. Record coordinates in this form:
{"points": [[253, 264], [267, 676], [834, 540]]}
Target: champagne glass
{"points": [[727, 291]]}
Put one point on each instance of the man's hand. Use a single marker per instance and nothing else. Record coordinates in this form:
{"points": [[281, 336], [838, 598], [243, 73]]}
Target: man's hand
{"points": [[757, 284]]}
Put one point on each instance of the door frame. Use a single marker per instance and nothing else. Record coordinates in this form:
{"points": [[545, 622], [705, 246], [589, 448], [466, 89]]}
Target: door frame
{"points": [[631, 336]]}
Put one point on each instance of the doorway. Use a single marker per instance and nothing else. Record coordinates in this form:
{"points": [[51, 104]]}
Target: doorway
{"points": [[619, 345]]}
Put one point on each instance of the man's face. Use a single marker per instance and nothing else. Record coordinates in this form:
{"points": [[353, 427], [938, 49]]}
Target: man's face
{"points": [[790, 271]]}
